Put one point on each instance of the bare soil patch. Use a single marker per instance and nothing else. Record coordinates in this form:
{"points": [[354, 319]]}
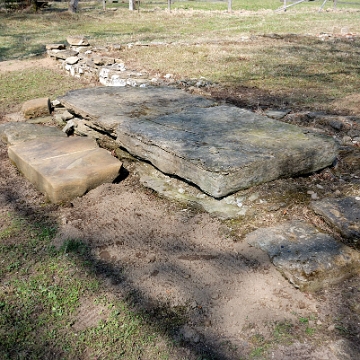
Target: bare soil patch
{"points": [[162, 255], [19, 65]]}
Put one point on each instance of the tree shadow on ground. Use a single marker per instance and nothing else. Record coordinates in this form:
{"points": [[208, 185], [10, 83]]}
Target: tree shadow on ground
{"points": [[91, 252]]}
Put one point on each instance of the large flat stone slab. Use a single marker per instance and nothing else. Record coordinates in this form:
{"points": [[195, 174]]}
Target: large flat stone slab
{"points": [[63, 169], [343, 214], [220, 148], [107, 106], [14, 133], [308, 258]]}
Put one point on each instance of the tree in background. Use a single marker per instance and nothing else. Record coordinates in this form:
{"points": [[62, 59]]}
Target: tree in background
{"points": [[73, 6]]}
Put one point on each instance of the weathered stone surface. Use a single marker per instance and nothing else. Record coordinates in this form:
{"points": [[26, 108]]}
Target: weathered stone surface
{"points": [[308, 258], [221, 149], [14, 117], [77, 40], [106, 106], [14, 133], [277, 114], [62, 54], [55, 46], [230, 207], [41, 120], [36, 108], [224, 149], [65, 168], [72, 60], [343, 214]]}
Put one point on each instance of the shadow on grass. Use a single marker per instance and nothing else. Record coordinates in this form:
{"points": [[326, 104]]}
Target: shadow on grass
{"points": [[27, 331]]}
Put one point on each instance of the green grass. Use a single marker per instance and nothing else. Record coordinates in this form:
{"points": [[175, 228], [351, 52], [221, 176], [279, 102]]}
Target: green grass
{"points": [[280, 54], [42, 291], [19, 86]]}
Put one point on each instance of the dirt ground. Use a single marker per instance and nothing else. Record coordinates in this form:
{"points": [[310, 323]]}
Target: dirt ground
{"points": [[169, 255]]}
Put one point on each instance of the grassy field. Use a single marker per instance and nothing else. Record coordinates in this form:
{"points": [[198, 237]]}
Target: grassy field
{"points": [[281, 54], [269, 58]]}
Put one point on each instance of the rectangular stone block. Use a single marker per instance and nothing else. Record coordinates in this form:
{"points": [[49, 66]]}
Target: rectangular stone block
{"points": [[63, 169], [36, 108], [224, 149]]}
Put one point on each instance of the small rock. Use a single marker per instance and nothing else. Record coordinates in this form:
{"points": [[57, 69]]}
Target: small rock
{"points": [[115, 47], [151, 258], [193, 305], [55, 46], [66, 115], [314, 196], [62, 54], [58, 120], [36, 108], [72, 60], [56, 104], [346, 139], [331, 327], [77, 40], [69, 127]]}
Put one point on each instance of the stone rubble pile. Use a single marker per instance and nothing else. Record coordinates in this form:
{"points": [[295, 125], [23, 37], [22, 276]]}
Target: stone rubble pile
{"points": [[82, 60]]}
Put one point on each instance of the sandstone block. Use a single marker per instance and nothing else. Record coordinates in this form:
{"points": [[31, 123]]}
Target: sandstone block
{"points": [[77, 40], [62, 54], [36, 108], [72, 60], [308, 258], [15, 133], [66, 168], [342, 214]]}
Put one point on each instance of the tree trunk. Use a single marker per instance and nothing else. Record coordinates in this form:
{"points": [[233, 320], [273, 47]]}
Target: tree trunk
{"points": [[132, 5], [73, 6]]}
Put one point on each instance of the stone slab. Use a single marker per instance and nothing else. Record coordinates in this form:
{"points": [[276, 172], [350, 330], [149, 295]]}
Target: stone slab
{"points": [[36, 108], [230, 207], [343, 214], [220, 148], [14, 133], [225, 149], [107, 106], [308, 258], [63, 169]]}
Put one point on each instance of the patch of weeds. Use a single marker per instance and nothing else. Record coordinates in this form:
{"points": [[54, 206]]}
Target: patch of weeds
{"points": [[303, 320], [74, 246], [258, 352], [283, 332], [343, 330], [310, 331], [14, 227]]}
